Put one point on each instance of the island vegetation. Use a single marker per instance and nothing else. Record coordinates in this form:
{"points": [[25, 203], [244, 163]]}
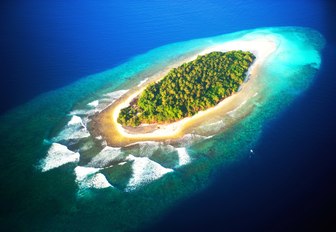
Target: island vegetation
{"points": [[188, 89]]}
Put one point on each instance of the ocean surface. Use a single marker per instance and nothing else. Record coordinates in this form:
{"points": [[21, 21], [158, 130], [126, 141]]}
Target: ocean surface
{"points": [[58, 58]]}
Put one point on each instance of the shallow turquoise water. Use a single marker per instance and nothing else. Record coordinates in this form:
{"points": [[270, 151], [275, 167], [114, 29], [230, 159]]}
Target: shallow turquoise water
{"points": [[157, 175]]}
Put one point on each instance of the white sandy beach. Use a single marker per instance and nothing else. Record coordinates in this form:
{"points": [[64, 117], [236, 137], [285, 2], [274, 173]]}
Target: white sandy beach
{"points": [[262, 47]]}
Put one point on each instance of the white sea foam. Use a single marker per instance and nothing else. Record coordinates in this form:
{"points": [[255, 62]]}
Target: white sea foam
{"points": [[83, 172], [57, 156], [88, 177], [76, 120], [148, 148], [75, 129], [98, 181], [94, 103], [106, 156], [104, 143], [237, 108], [100, 104], [219, 124], [144, 172], [167, 148], [72, 132], [183, 155], [189, 139], [108, 99], [142, 82], [104, 103], [84, 112], [212, 126], [116, 94]]}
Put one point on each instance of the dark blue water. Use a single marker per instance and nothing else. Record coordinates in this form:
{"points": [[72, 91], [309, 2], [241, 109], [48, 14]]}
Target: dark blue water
{"points": [[288, 185], [48, 44]]}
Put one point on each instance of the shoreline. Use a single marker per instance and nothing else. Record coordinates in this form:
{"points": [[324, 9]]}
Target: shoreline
{"points": [[105, 123]]}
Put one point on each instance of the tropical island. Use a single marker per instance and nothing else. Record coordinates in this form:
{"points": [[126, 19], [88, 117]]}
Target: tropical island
{"points": [[198, 93], [192, 87]]}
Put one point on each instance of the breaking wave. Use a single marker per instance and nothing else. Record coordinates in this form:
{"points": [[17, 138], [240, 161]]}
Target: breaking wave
{"points": [[144, 172], [142, 82], [106, 156], [74, 130], [231, 113], [94, 103], [183, 155], [57, 156], [87, 177]]}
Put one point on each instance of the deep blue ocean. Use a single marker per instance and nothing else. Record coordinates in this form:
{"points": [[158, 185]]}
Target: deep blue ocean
{"points": [[289, 183]]}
